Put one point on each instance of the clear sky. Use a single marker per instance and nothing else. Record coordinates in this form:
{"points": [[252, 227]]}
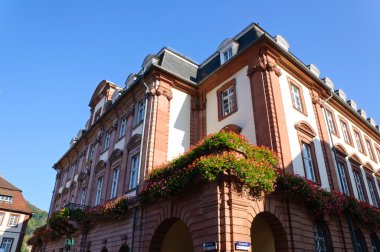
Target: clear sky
{"points": [[54, 53]]}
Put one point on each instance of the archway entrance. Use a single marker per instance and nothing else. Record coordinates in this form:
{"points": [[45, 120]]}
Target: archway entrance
{"points": [[267, 234], [172, 236]]}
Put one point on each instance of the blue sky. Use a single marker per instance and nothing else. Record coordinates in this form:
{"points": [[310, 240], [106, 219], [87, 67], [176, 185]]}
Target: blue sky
{"points": [[54, 53]]}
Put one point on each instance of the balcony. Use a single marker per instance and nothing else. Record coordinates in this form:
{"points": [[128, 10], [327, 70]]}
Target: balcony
{"points": [[73, 206]]}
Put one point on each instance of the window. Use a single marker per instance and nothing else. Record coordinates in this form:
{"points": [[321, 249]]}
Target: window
{"points": [[331, 122], [83, 196], [134, 171], [378, 153], [227, 100], [375, 243], [360, 243], [13, 220], [359, 185], [343, 178], [295, 91], [372, 192], [107, 140], [370, 149], [308, 162], [6, 244], [72, 199], [123, 125], [1, 218], [227, 54], [70, 170], [64, 203], [115, 180], [346, 133], [99, 191], [97, 115], [359, 141], [92, 152], [322, 238], [140, 112], [6, 198]]}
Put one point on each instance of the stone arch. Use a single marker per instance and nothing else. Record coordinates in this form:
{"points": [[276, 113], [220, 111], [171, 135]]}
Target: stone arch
{"points": [[355, 158], [277, 239], [305, 128], [116, 153], [172, 232], [369, 167], [232, 127], [101, 165], [340, 148], [133, 141]]}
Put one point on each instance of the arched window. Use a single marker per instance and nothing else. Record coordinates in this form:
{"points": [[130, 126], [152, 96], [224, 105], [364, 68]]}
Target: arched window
{"points": [[124, 248], [375, 243], [322, 238], [104, 249], [360, 241]]}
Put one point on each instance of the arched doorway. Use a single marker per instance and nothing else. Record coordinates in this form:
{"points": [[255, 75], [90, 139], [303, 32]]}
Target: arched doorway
{"points": [[267, 234], [172, 236]]}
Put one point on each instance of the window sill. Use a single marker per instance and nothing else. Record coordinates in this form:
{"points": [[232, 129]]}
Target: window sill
{"points": [[300, 111], [137, 125], [224, 117]]}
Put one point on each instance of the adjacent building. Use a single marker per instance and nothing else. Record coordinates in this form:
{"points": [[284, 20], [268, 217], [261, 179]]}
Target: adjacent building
{"points": [[14, 217], [253, 85]]}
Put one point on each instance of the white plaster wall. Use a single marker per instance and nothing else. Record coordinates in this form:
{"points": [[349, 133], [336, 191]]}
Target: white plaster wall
{"points": [[11, 232], [293, 116], [120, 144], [104, 156], [179, 123], [137, 130], [244, 115], [354, 150]]}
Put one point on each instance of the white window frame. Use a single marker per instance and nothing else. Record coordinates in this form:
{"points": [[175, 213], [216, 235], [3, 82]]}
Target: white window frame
{"points": [[371, 188], [330, 121], [6, 198], [13, 220], [7, 243], [319, 238], [135, 164], [228, 101], [91, 152], [359, 186], [369, 147], [307, 156], [140, 112], [115, 182], [123, 126], [358, 141], [83, 196], [296, 97], [345, 131], [107, 140], [2, 215], [99, 187], [227, 54], [343, 178]]}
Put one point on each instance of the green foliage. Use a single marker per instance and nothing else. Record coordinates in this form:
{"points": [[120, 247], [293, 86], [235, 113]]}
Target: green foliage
{"points": [[224, 152], [39, 219]]}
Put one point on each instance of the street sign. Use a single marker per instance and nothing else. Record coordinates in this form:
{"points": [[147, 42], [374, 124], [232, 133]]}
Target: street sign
{"points": [[210, 246], [246, 246]]}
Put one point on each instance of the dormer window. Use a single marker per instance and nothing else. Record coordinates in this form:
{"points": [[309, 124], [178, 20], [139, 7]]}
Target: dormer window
{"points": [[6, 198], [227, 49], [227, 54]]}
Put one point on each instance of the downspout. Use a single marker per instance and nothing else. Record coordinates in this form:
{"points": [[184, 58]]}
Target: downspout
{"points": [[140, 158], [348, 217]]}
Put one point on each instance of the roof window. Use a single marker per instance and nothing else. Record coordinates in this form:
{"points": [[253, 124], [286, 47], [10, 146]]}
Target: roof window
{"points": [[6, 198]]}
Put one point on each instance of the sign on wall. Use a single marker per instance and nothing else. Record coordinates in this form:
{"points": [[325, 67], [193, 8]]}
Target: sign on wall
{"points": [[210, 246], [245, 246]]}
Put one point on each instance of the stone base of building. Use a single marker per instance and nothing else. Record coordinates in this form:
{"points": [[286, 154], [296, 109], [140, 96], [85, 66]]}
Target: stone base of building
{"points": [[216, 214]]}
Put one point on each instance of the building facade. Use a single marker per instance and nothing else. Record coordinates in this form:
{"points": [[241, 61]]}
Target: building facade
{"points": [[14, 217], [251, 85]]}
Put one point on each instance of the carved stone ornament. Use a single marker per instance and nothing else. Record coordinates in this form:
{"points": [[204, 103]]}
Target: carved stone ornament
{"points": [[270, 67], [165, 92], [99, 136], [114, 124]]}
